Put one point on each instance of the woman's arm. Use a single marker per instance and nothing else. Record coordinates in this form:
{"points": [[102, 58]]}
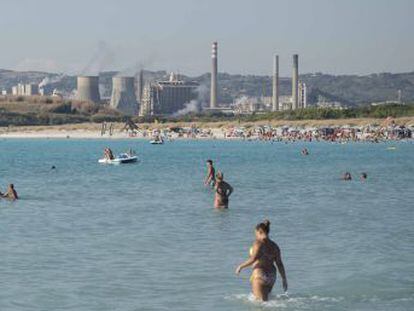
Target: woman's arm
{"points": [[251, 260], [230, 190], [281, 268]]}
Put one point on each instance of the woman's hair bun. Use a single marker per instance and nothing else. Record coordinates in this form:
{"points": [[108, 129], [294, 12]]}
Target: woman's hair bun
{"points": [[266, 222]]}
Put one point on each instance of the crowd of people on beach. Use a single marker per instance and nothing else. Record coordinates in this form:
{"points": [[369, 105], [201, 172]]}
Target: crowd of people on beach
{"points": [[331, 134], [339, 134]]}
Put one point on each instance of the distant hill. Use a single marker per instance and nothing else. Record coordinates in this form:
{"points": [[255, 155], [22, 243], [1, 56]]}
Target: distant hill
{"points": [[352, 90]]}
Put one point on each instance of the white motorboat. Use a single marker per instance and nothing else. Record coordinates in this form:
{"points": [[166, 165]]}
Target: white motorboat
{"points": [[120, 159]]}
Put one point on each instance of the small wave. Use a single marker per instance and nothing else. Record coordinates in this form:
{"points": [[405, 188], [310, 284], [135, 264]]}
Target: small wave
{"points": [[285, 301]]}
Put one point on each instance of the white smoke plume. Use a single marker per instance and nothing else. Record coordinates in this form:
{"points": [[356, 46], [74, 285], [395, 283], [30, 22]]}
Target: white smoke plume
{"points": [[203, 95], [195, 105], [242, 101], [192, 106], [48, 80], [103, 57]]}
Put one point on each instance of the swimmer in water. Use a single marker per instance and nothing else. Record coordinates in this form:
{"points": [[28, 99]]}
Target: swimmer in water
{"points": [[305, 152], [364, 176], [347, 176], [211, 174], [223, 192], [11, 194], [265, 256]]}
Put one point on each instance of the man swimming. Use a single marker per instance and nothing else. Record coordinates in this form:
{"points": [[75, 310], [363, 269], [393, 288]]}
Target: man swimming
{"points": [[223, 192], [211, 174], [264, 254], [347, 176], [11, 194], [364, 176]]}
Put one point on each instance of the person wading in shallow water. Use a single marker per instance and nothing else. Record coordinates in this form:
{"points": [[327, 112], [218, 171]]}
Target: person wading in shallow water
{"points": [[223, 192], [264, 255], [210, 179]]}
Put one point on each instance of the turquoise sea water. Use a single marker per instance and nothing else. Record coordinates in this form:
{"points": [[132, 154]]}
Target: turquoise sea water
{"points": [[145, 236]]}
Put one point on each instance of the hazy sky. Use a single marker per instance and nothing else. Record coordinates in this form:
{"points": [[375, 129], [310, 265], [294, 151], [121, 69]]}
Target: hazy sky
{"points": [[331, 36]]}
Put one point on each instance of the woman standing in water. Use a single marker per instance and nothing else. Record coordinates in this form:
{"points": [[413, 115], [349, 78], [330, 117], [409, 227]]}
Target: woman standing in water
{"points": [[264, 254], [223, 192]]}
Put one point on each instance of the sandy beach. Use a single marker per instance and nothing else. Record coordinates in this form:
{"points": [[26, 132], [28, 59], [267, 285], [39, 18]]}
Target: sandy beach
{"points": [[93, 130]]}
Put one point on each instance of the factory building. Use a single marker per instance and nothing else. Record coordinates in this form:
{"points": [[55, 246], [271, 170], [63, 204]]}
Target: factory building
{"points": [[31, 89], [302, 102], [25, 89], [167, 97]]}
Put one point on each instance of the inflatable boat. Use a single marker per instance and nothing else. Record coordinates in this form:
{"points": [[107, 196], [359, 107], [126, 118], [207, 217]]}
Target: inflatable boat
{"points": [[120, 159]]}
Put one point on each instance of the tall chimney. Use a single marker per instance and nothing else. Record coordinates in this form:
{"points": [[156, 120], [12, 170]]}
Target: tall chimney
{"points": [[213, 88], [275, 97], [295, 77], [140, 85]]}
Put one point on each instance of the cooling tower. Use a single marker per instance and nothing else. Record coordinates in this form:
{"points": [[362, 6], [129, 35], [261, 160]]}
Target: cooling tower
{"points": [[213, 88], [275, 97], [88, 88], [123, 95], [295, 80]]}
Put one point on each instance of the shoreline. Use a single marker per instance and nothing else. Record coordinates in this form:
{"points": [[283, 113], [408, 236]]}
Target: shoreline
{"points": [[216, 130]]}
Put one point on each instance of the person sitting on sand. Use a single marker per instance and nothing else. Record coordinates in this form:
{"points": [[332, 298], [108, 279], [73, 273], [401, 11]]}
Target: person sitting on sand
{"points": [[347, 176], [11, 194], [264, 254], [223, 192], [364, 176], [211, 174]]}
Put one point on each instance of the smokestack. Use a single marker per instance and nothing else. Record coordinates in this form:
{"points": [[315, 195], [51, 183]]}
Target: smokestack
{"points": [[295, 77], [275, 97], [88, 88], [140, 85], [213, 88], [123, 95]]}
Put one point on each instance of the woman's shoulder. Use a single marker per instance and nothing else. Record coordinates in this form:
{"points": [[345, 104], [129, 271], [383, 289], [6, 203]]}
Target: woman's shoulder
{"points": [[274, 245]]}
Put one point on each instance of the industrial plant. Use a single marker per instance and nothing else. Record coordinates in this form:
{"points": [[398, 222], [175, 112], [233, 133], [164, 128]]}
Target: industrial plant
{"points": [[159, 96], [167, 97]]}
